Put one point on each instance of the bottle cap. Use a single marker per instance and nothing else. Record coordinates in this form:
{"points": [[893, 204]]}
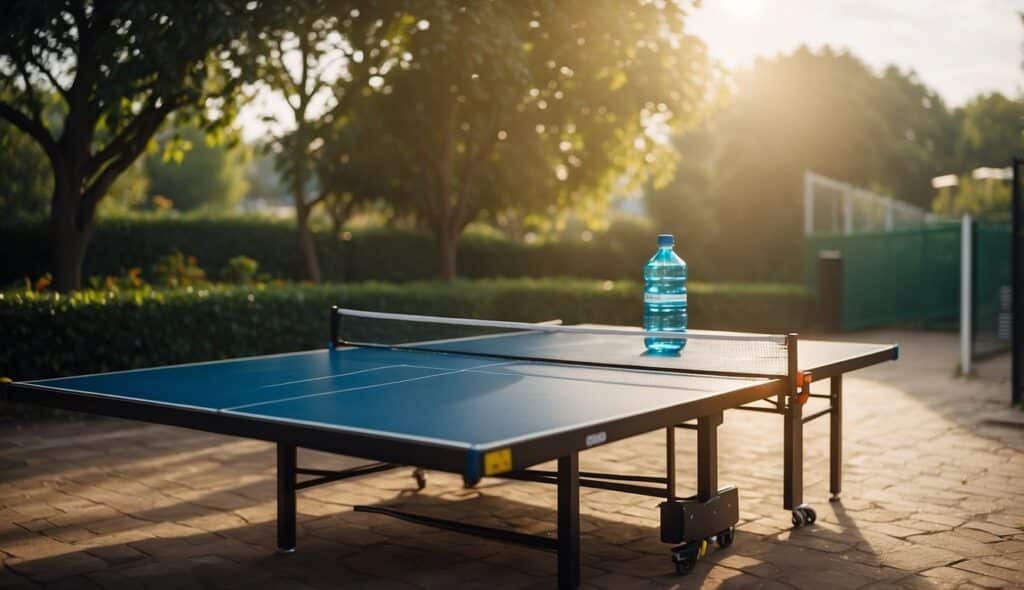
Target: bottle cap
{"points": [[666, 240]]}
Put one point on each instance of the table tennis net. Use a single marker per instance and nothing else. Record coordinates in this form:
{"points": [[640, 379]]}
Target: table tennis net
{"points": [[720, 353]]}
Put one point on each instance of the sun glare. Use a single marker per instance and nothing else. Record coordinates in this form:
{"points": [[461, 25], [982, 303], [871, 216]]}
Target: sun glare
{"points": [[742, 8]]}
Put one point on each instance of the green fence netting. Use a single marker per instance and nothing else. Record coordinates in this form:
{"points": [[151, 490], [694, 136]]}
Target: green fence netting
{"points": [[901, 277], [991, 295]]}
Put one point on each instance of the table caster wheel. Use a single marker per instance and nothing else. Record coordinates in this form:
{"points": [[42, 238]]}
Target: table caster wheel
{"points": [[421, 478], [804, 514], [685, 564], [726, 537], [685, 556]]}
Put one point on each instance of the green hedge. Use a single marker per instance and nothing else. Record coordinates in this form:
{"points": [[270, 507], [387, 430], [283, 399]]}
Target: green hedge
{"points": [[382, 255], [46, 334]]}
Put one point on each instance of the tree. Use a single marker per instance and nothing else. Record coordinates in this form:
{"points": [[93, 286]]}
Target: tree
{"points": [[920, 134], [129, 191], [195, 170], [119, 69], [532, 105], [823, 111], [263, 179], [991, 132], [25, 181], [331, 55], [988, 199], [685, 205]]}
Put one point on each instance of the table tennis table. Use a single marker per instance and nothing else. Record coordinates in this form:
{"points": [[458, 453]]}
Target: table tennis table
{"points": [[489, 406]]}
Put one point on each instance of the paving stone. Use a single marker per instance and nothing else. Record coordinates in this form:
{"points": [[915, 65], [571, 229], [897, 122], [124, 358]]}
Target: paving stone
{"points": [[959, 544], [919, 558], [34, 546], [1013, 576], [69, 534], [1015, 563], [978, 535], [819, 578], [11, 580], [992, 528], [117, 554], [54, 568]]}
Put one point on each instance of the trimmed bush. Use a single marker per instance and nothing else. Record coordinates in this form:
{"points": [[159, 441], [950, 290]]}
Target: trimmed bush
{"points": [[46, 335], [376, 254]]}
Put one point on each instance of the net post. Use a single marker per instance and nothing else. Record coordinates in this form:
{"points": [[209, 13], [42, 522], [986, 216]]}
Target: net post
{"points": [[335, 327]]}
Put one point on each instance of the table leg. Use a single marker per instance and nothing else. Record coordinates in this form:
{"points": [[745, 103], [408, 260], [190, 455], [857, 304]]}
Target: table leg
{"points": [[569, 521], [286, 478], [707, 456], [836, 437], [793, 462]]}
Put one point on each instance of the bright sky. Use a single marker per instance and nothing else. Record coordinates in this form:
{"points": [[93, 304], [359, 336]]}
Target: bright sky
{"points": [[957, 47]]}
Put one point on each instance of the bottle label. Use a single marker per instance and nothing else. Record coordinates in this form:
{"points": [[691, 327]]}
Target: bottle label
{"points": [[664, 297]]}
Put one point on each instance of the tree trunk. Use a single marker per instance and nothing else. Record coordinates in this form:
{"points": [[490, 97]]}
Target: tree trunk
{"points": [[69, 238], [448, 249], [307, 246]]}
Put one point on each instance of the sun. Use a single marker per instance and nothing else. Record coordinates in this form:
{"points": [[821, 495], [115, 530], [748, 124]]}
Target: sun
{"points": [[742, 8]]}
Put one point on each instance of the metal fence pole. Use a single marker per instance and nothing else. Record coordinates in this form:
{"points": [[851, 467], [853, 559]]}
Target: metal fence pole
{"points": [[966, 305], [1017, 284], [808, 204]]}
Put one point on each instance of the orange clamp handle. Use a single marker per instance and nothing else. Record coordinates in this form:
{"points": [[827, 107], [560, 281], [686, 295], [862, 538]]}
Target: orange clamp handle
{"points": [[803, 385]]}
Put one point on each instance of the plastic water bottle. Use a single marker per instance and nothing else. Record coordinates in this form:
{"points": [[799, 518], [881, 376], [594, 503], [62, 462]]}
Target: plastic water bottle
{"points": [[665, 297]]}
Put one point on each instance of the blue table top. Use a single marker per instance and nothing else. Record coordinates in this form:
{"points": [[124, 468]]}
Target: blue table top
{"points": [[425, 396], [467, 402]]}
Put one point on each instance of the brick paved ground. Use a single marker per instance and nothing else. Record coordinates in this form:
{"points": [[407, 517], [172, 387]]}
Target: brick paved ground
{"points": [[934, 497]]}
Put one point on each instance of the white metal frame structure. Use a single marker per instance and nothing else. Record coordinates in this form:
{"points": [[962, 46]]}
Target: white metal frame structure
{"points": [[893, 212]]}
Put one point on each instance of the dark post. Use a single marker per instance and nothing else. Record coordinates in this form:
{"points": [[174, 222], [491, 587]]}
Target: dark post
{"points": [[707, 456], [793, 436], [835, 437], [569, 521], [830, 290], [670, 462], [286, 460], [1017, 285]]}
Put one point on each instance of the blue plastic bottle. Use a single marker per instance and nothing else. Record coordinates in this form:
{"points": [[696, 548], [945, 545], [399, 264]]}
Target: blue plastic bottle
{"points": [[665, 296]]}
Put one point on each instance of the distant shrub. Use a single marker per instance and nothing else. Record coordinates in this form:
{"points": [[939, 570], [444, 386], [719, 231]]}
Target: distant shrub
{"points": [[178, 270], [48, 334], [119, 244], [241, 270], [130, 280]]}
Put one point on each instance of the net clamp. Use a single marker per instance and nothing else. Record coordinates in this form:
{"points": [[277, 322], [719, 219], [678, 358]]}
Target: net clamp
{"points": [[803, 386]]}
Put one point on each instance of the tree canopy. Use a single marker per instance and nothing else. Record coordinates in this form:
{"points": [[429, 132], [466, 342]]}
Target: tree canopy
{"points": [[529, 106], [991, 132], [25, 180], [117, 69], [195, 170], [823, 111], [323, 58]]}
